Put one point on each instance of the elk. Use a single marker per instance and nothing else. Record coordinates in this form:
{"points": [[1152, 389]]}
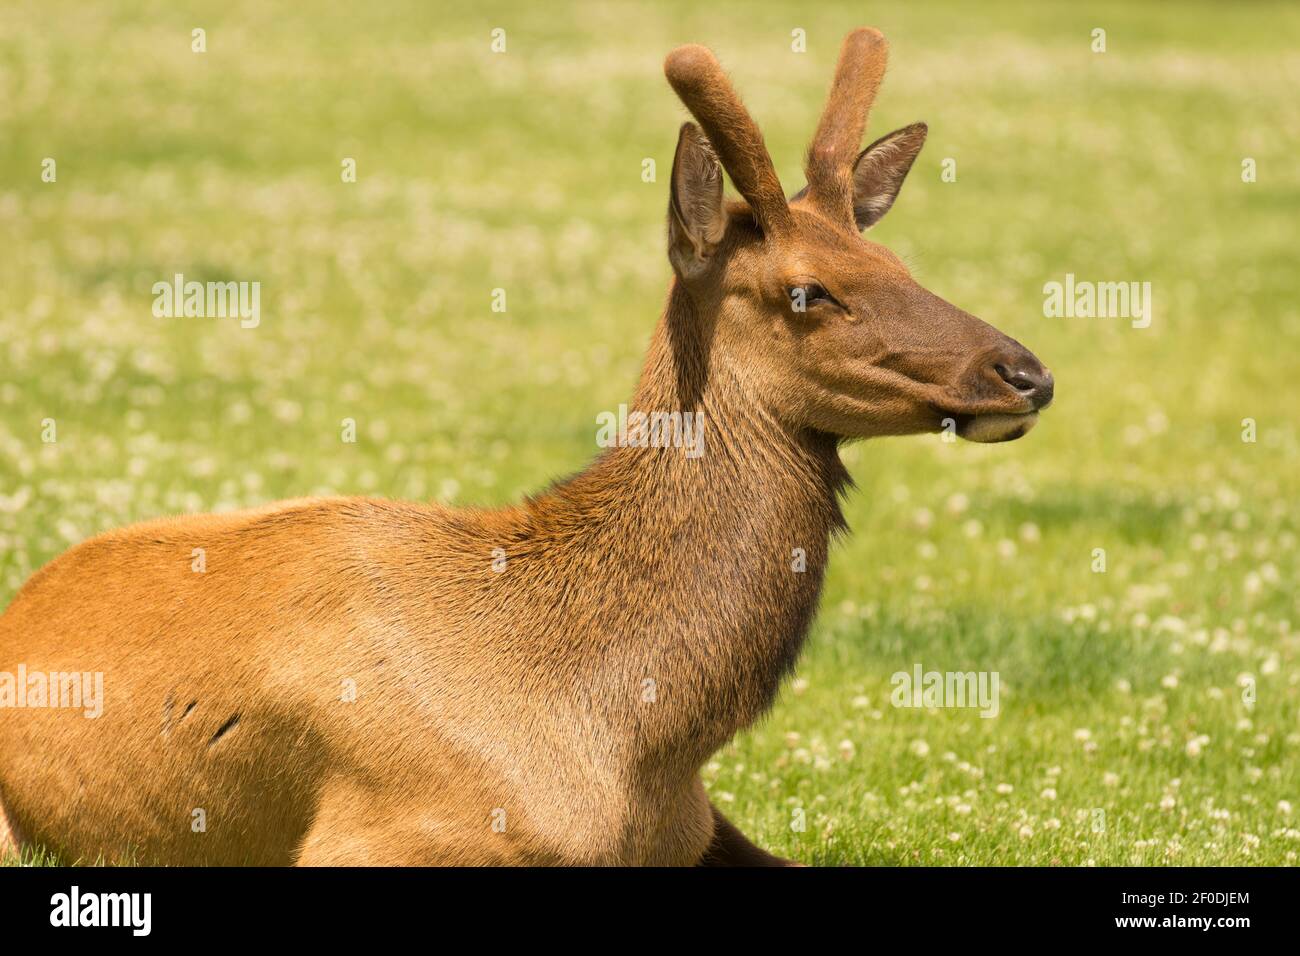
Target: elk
{"points": [[363, 681]]}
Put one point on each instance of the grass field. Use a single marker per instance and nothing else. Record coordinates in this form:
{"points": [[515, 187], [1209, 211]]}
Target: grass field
{"points": [[1149, 714]]}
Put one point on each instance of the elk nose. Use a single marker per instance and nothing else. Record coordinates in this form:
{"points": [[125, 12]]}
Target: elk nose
{"points": [[1032, 381]]}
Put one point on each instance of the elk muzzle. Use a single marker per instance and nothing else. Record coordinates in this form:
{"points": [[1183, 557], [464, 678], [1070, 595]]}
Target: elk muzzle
{"points": [[1008, 387]]}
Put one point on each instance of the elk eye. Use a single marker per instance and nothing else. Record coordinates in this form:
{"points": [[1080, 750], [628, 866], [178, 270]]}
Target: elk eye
{"points": [[806, 294]]}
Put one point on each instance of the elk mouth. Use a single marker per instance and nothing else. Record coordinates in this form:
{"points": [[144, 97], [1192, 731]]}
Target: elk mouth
{"points": [[995, 426]]}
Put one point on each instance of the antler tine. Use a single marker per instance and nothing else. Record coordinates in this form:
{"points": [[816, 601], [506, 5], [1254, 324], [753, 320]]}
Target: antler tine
{"points": [[697, 77], [839, 134]]}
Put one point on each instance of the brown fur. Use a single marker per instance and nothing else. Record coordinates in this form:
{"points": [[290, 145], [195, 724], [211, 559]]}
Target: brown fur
{"points": [[648, 607]]}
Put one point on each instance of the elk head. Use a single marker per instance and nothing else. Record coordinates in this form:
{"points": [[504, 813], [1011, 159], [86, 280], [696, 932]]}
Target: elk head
{"points": [[825, 327]]}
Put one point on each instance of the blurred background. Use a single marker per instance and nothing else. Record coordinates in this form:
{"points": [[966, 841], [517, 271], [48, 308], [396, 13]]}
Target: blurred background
{"points": [[1150, 713]]}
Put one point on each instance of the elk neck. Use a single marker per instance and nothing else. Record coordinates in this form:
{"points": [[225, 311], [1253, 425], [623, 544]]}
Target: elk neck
{"points": [[701, 574]]}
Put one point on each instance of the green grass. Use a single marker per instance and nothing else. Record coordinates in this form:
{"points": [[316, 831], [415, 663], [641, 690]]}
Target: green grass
{"points": [[523, 171], [35, 856]]}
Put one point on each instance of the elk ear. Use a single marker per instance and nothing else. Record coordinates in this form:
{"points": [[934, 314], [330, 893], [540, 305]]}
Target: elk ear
{"points": [[696, 218], [879, 171]]}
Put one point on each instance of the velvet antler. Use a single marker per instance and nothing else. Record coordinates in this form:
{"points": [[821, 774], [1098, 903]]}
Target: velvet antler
{"points": [[697, 77], [839, 134]]}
